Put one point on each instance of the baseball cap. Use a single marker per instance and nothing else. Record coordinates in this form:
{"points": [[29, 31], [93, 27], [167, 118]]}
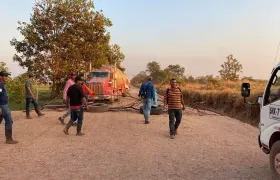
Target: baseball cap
{"points": [[5, 73], [72, 74], [79, 78], [30, 74]]}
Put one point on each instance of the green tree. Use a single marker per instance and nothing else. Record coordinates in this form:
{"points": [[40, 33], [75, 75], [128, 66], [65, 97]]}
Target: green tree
{"points": [[176, 71], [159, 77], [230, 69], [152, 67], [139, 78], [116, 56], [3, 66], [63, 36]]}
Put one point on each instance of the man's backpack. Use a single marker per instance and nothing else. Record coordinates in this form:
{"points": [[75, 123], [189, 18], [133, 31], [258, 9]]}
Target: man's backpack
{"points": [[144, 93], [167, 91]]}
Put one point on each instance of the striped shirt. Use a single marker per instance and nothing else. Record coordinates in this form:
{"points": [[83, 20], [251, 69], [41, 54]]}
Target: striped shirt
{"points": [[173, 97]]}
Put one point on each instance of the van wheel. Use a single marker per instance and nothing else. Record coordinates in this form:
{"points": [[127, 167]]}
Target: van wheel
{"points": [[275, 159], [98, 107]]}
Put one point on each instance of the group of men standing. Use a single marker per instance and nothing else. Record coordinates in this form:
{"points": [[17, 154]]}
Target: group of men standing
{"points": [[5, 112], [173, 101], [73, 95]]}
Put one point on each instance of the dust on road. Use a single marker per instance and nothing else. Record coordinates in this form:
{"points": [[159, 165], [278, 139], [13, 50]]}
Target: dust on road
{"points": [[118, 145]]}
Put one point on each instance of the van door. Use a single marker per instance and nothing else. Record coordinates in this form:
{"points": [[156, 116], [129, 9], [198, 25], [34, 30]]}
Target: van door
{"points": [[270, 110]]}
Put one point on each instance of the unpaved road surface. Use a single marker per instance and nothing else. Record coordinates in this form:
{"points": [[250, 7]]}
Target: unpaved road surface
{"points": [[117, 145]]}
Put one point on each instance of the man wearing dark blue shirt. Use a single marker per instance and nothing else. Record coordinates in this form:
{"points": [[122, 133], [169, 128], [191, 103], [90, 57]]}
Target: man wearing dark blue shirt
{"points": [[147, 93], [5, 112]]}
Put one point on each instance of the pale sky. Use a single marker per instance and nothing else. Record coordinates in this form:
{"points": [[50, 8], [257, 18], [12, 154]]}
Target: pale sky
{"points": [[197, 34]]}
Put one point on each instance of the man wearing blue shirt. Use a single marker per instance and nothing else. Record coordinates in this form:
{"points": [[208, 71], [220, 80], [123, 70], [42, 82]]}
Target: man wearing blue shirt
{"points": [[147, 93], [5, 112]]}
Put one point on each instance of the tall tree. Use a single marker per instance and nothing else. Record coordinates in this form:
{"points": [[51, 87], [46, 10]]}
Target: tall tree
{"points": [[176, 71], [152, 67], [116, 56], [62, 36], [230, 69]]}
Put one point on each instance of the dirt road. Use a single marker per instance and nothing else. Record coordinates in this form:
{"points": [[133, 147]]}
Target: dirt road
{"points": [[117, 145]]}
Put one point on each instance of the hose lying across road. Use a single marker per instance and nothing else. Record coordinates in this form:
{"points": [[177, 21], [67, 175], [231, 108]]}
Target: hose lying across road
{"points": [[138, 103], [135, 105]]}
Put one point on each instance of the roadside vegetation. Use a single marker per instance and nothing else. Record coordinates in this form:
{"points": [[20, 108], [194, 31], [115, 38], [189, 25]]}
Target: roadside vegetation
{"points": [[220, 94], [61, 36]]}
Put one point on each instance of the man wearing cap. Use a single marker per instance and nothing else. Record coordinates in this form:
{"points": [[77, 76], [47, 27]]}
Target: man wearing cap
{"points": [[30, 97], [70, 82], [75, 99], [5, 112]]}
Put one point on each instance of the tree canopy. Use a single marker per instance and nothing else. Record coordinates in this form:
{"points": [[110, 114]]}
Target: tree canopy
{"points": [[230, 69], [64, 36]]}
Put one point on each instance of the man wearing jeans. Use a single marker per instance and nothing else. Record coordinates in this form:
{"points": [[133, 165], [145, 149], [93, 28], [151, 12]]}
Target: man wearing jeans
{"points": [[76, 99], [30, 98], [5, 112], [69, 83], [147, 93], [174, 99]]}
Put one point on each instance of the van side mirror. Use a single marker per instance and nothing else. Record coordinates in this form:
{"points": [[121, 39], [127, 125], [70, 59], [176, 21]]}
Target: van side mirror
{"points": [[245, 90]]}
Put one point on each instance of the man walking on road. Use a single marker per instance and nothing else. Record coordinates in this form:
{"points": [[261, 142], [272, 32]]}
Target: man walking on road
{"points": [[69, 83], [174, 100], [5, 112], [30, 98], [146, 92], [76, 99]]}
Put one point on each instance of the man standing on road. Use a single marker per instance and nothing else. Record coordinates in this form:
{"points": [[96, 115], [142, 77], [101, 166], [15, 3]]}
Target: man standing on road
{"points": [[76, 99], [174, 100], [146, 92], [30, 98], [5, 112], [69, 83]]}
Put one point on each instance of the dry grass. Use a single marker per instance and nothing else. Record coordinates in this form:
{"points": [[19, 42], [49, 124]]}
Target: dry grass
{"points": [[223, 97]]}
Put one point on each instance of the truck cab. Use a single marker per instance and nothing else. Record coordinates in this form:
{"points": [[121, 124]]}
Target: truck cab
{"points": [[100, 82], [269, 125]]}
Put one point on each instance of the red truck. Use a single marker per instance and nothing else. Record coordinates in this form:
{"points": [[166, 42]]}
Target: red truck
{"points": [[108, 83]]}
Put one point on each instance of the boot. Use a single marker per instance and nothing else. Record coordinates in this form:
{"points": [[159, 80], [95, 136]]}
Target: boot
{"points": [[38, 111], [9, 139], [65, 130], [28, 114], [79, 128], [61, 120], [176, 131]]}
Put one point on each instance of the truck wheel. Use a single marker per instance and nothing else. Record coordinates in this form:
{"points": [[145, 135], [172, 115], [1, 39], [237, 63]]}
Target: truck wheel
{"points": [[154, 110], [275, 159], [98, 107], [141, 110]]}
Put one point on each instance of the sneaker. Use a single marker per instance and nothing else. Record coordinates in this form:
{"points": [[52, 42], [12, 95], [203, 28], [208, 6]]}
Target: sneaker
{"points": [[172, 136], [147, 122]]}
